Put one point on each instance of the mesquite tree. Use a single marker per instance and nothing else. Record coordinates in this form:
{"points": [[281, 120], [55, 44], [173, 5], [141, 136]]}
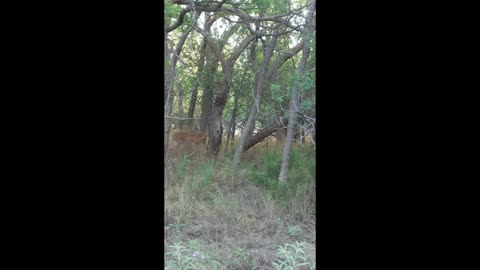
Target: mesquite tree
{"points": [[240, 45]]}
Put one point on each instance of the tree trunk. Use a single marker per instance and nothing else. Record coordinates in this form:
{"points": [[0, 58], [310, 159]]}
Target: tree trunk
{"points": [[207, 80], [169, 82], [207, 97], [270, 72], [181, 113], [194, 96], [260, 85], [293, 107], [252, 129], [166, 65], [215, 130], [231, 126]]}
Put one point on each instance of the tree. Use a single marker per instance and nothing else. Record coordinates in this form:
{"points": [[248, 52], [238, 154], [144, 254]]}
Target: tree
{"points": [[215, 130], [260, 83], [216, 60], [193, 98], [264, 77], [169, 83], [293, 107]]}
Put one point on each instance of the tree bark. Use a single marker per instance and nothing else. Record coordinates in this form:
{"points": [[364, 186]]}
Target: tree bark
{"points": [[194, 96], [215, 130], [260, 81], [231, 126], [166, 63], [181, 113], [208, 86], [208, 77], [293, 107], [260, 85]]}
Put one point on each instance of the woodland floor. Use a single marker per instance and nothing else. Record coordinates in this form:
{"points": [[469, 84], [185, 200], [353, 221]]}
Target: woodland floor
{"points": [[229, 222]]}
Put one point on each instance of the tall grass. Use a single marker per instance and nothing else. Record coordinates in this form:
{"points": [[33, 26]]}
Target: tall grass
{"points": [[298, 194], [211, 202]]}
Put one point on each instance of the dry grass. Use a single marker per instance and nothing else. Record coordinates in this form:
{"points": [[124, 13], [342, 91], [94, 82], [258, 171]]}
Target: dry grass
{"points": [[226, 219]]}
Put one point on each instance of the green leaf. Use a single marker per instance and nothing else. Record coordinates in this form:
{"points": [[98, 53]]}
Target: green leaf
{"points": [[172, 11]]}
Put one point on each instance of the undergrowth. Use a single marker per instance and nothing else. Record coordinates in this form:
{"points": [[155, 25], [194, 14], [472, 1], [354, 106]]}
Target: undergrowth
{"points": [[299, 191], [217, 217]]}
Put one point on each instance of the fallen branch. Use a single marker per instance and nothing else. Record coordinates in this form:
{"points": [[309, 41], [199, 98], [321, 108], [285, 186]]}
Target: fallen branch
{"points": [[264, 133]]}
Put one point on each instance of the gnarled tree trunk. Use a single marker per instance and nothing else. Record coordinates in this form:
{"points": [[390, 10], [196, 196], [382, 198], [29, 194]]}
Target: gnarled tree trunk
{"points": [[215, 129]]}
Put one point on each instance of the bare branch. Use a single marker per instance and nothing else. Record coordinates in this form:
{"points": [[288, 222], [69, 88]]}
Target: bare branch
{"points": [[240, 49], [241, 13]]}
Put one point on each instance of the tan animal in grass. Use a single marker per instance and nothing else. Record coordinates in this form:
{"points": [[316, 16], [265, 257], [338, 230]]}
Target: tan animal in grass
{"points": [[188, 142]]}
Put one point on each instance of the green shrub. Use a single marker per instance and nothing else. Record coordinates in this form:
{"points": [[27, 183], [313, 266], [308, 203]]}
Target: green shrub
{"points": [[181, 257], [291, 256], [301, 172], [183, 166], [207, 173]]}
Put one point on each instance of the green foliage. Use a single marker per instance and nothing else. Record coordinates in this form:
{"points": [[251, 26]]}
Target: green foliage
{"points": [[209, 218], [195, 177], [279, 6], [187, 22], [291, 257], [294, 230], [306, 104], [302, 165], [207, 173], [182, 166], [177, 259], [272, 161], [301, 172], [239, 258], [171, 10], [266, 176], [304, 82], [257, 5], [182, 257], [263, 4], [277, 94]]}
